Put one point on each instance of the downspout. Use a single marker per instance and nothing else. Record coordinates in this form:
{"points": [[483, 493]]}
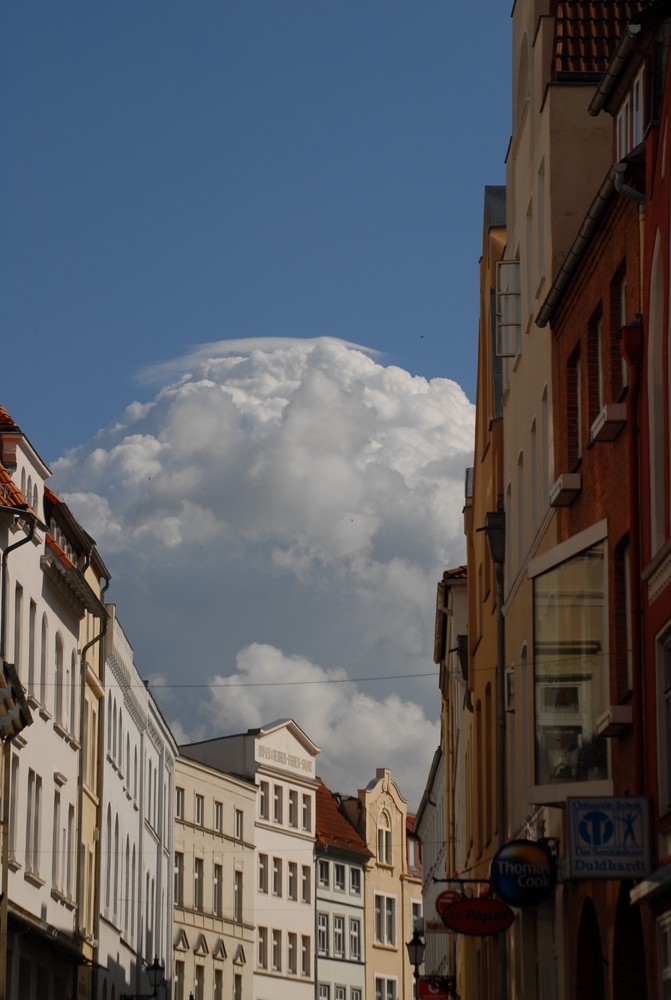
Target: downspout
{"points": [[80, 789], [501, 754], [632, 349], [6, 764]]}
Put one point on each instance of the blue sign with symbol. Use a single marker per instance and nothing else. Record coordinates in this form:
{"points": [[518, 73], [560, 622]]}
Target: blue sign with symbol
{"points": [[608, 837]]}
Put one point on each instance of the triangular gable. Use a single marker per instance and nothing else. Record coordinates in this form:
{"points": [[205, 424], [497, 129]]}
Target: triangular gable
{"points": [[219, 950], [181, 941], [239, 957], [201, 946]]}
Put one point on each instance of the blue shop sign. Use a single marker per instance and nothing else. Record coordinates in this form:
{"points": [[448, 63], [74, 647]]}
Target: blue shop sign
{"points": [[523, 872]]}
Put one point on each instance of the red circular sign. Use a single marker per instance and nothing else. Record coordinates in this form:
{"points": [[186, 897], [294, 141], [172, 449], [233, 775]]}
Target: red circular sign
{"points": [[478, 916], [445, 900]]}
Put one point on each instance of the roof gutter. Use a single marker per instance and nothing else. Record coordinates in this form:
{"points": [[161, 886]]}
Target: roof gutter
{"points": [[572, 259], [617, 61]]}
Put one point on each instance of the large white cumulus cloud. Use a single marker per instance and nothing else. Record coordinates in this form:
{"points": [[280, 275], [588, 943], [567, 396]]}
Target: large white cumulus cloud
{"points": [[283, 507]]}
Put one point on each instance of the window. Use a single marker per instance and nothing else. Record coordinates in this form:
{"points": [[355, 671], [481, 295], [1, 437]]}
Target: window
{"points": [[508, 320], [219, 985], [237, 986], [355, 994], [630, 122], [200, 810], [277, 951], [198, 877], [323, 873], [323, 933], [339, 877], [384, 852], [292, 953], [339, 993], [324, 992], [574, 410], [664, 952], [18, 623], [263, 800], [179, 980], [200, 982], [339, 936], [33, 822], [277, 876], [417, 923], [179, 803], [218, 816], [385, 989], [237, 897], [355, 939], [305, 955], [179, 879], [413, 852], [305, 884], [293, 808], [571, 665], [218, 891], [262, 934], [664, 725], [292, 887], [307, 813], [238, 827], [355, 881], [385, 919], [277, 803], [263, 873]]}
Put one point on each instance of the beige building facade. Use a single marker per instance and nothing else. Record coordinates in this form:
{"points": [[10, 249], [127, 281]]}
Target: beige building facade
{"points": [[213, 894]]}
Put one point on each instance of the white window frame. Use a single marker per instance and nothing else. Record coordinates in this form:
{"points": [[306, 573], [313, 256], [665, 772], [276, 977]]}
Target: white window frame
{"points": [[323, 934], [385, 919]]}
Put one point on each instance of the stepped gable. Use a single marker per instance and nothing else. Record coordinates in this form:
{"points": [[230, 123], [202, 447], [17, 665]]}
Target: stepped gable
{"points": [[586, 34], [332, 829]]}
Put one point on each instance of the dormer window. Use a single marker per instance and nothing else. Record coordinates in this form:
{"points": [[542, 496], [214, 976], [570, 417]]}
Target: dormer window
{"points": [[629, 123]]}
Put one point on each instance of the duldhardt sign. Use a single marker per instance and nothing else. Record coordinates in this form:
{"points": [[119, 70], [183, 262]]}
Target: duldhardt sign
{"points": [[608, 837]]}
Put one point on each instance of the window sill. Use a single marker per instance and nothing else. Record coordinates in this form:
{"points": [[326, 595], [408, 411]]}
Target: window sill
{"points": [[556, 795], [34, 879]]}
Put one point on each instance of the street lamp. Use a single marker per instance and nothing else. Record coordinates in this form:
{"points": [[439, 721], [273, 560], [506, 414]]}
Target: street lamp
{"points": [[155, 972], [416, 948]]}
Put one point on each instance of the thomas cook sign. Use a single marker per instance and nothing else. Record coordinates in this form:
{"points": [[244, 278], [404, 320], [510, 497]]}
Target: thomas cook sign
{"points": [[523, 872]]}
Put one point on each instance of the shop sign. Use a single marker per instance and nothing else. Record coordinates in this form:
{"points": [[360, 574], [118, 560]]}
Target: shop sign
{"points": [[523, 872], [445, 899], [608, 837], [478, 916], [429, 990]]}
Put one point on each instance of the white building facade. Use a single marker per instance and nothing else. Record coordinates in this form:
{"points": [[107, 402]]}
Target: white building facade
{"points": [[136, 830], [281, 761]]}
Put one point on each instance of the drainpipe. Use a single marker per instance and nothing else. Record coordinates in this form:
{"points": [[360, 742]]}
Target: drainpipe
{"points": [[632, 349], [80, 790], [6, 760]]}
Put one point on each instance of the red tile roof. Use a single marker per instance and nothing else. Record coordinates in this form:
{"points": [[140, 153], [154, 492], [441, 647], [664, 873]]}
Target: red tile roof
{"points": [[5, 419], [10, 494], [459, 573], [332, 828], [586, 33], [55, 547]]}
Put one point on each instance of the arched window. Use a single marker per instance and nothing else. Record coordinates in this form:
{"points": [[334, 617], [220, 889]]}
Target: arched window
{"points": [[116, 868], [58, 679], [132, 895], [43, 660], [126, 894], [533, 476], [522, 83], [108, 867], [520, 524], [73, 693], [384, 839]]}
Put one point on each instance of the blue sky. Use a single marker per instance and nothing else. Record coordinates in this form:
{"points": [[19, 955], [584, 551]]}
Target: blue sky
{"points": [[278, 180], [177, 172]]}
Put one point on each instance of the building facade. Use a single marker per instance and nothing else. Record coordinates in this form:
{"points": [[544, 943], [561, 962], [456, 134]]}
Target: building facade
{"points": [[341, 855], [213, 933], [281, 762]]}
